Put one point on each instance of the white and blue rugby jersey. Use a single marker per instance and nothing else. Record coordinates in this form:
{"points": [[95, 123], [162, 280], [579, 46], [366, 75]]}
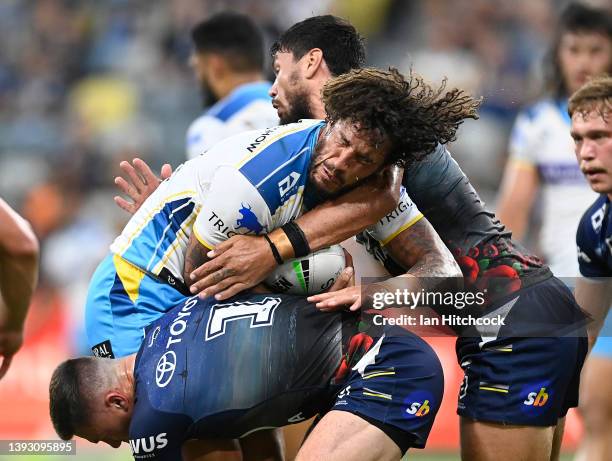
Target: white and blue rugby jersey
{"points": [[251, 183], [540, 139], [248, 107]]}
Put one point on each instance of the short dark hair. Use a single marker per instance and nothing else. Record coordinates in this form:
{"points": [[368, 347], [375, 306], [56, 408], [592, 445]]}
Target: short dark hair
{"points": [[71, 386], [593, 95], [413, 115], [342, 46], [575, 18], [233, 35]]}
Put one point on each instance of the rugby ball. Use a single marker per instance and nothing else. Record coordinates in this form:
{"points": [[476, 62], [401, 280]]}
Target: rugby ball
{"points": [[309, 275]]}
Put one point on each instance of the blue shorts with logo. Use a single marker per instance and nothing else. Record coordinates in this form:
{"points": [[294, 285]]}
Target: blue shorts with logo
{"points": [[603, 345], [519, 376], [396, 386], [121, 301]]}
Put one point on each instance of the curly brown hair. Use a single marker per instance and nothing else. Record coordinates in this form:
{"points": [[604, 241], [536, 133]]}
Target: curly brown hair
{"points": [[596, 95], [413, 115]]}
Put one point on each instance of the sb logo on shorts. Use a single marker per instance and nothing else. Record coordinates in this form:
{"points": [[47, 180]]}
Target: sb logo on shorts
{"points": [[418, 405], [536, 398]]}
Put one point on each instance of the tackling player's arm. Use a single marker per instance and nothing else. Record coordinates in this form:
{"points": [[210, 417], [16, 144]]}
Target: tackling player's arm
{"points": [[249, 259], [336, 220], [413, 244], [18, 276]]}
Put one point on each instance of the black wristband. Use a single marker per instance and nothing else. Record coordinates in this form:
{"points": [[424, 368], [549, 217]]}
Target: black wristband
{"points": [[297, 238], [275, 252]]}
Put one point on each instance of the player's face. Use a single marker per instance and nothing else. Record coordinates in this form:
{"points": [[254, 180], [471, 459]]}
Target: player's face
{"points": [[593, 137], [290, 95], [343, 156], [103, 431], [109, 422], [199, 64], [583, 55]]}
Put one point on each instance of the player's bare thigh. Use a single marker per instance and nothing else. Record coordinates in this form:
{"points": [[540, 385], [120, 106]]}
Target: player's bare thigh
{"points": [[343, 436], [482, 441]]}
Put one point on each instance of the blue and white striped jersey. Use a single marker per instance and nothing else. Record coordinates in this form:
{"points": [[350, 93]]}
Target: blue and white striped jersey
{"points": [[251, 183]]}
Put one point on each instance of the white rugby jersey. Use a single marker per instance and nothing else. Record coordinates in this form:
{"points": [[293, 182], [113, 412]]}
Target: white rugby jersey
{"points": [[541, 139], [251, 183], [247, 107]]}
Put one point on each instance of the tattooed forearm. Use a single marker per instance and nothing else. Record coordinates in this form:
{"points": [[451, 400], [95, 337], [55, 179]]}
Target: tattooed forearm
{"points": [[424, 254], [430, 264], [195, 256]]}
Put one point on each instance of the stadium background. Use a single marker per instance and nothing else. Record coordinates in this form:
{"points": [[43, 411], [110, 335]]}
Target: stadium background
{"points": [[85, 84]]}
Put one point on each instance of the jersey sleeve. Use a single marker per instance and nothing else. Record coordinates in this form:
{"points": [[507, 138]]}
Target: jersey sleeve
{"points": [[522, 145], [589, 263], [231, 206], [405, 215]]}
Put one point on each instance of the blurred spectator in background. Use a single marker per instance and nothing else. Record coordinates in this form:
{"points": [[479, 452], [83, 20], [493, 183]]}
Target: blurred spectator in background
{"points": [[18, 276], [541, 150], [228, 60], [489, 48]]}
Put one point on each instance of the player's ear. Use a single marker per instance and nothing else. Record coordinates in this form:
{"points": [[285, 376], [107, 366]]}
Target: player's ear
{"points": [[314, 61], [116, 400]]}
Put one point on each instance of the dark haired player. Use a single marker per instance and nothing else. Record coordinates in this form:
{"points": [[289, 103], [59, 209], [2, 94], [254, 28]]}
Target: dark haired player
{"points": [[498, 418], [209, 370], [591, 111], [228, 60], [257, 181]]}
